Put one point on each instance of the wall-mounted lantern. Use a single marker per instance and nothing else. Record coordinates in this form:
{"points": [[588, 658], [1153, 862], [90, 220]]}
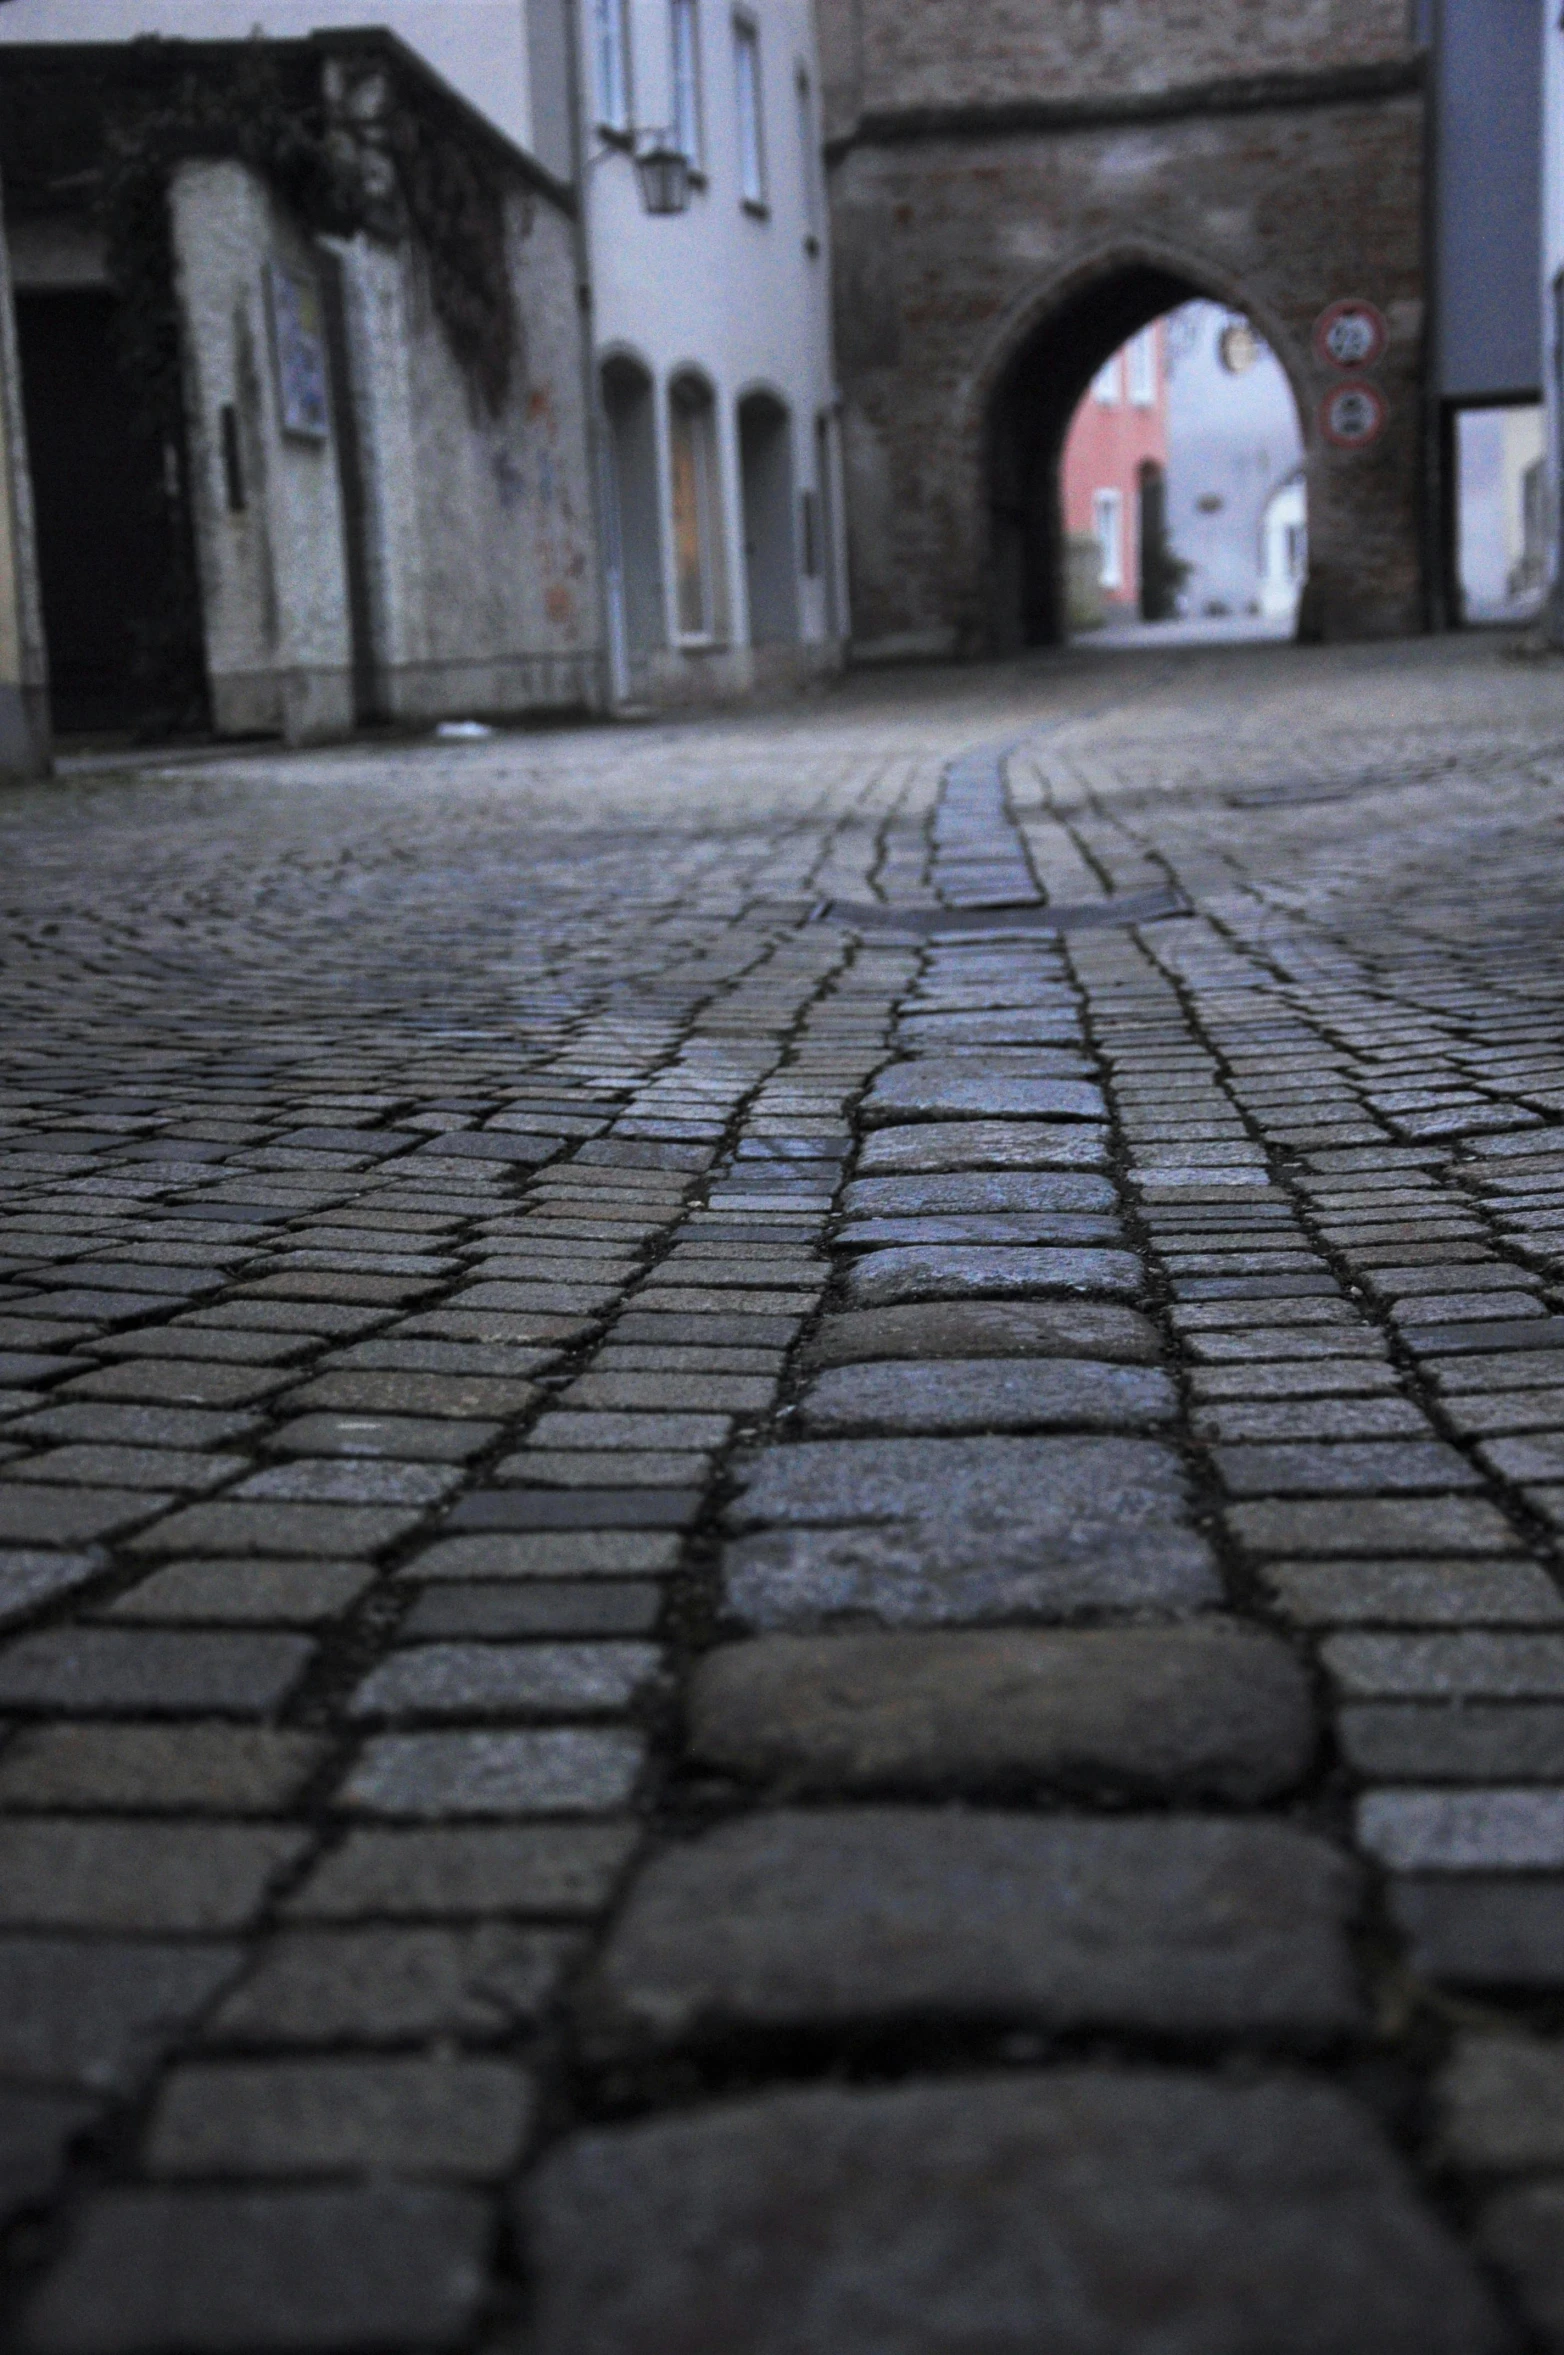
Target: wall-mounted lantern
{"points": [[664, 174]]}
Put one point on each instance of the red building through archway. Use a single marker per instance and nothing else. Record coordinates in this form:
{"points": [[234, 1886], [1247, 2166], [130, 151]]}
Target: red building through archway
{"points": [[1113, 469]]}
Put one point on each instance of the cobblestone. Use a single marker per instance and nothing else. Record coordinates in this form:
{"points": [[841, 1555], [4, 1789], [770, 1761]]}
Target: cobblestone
{"points": [[611, 1467]]}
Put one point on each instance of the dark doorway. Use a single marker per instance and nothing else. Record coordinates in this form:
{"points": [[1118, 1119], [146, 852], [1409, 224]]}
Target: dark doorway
{"points": [[124, 648], [1028, 421], [770, 558], [1160, 571]]}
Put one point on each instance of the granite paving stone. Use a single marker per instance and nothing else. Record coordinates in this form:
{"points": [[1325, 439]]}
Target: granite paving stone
{"points": [[400, 2116], [977, 1271], [916, 1530], [563, 1772], [987, 1394], [467, 1871], [1210, 1710], [886, 1916], [788, 1542], [323, 1986], [1039, 2210], [205, 1767], [163, 2272], [985, 1328], [104, 1669], [497, 1679]]}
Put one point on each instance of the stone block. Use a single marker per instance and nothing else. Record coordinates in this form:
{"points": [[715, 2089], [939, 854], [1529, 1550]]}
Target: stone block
{"points": [[299, 1593], [163, 2272], [1522, 2233], [1418, 1831], [940, 1146], [98, 2014], [881, 1279], [382, 1984], [1484, 1931], [561, 1606], [499, 1679], [101, 1669], [987, 1394], [1501, 2102], [1039, 1192], [879, 1917], [962, 1529], [465, 1871], [960, 1087], [211, 1768], [1455, 1742], [1212, 1710], [451, 2117], [31, 1575], [1085, 2212], [36, 2132], [1373, 1526], [547, 1553], [1469, 1665], [97, 1874], [1015, 1228], [553, 1772], [986, 1328]]}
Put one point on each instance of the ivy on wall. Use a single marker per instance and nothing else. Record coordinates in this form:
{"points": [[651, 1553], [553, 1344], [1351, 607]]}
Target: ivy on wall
{"points": [[344, 154], [325, 152]]}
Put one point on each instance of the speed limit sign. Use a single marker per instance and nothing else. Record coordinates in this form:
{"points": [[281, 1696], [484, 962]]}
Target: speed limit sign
{"points": [[1353, 415], [1350, 334]]}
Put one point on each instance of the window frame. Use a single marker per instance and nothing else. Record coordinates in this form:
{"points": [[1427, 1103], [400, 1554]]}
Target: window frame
{"points": [[808, 153], [1141, 368], [692, 409], [613, 92], [1107, 502], [749, 113], [1108, 383], [688, 112]]}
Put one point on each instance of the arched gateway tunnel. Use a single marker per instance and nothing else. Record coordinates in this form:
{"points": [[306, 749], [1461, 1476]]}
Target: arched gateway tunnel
{"points": [[1014, 196]]}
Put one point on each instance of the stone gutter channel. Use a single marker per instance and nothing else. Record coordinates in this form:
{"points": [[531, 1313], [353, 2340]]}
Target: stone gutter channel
{"points": [[1003, 1969], [967, 1771]]}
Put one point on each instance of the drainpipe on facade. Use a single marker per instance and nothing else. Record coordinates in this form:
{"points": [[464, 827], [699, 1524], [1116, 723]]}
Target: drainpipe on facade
{"points": [[593, 420], [24, 667]]}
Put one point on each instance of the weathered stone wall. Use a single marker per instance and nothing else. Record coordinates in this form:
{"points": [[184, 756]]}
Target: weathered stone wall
{"points": [[273, 571], [942, 53], [1267, 156], [479, 536]]}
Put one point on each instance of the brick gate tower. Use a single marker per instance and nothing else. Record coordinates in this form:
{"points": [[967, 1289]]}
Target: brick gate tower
{"points": [[1019, 185]]}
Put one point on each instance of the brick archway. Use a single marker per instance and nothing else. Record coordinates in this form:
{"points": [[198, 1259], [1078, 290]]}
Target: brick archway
{"points": [[1010, 201]]}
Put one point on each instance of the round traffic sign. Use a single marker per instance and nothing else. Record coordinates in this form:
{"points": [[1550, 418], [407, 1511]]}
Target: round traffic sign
{"points": [[1350, 334], [1353, 415]]}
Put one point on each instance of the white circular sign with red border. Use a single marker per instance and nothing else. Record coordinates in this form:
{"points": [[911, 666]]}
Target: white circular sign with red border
{"points": [[1351, 334], [1353, 415]]}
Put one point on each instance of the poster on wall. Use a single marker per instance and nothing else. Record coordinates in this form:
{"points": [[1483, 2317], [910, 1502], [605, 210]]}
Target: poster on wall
{"points": [[299, 345]]}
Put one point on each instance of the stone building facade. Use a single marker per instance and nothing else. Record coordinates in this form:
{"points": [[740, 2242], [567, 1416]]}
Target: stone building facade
{"points": [[1015, 190], [376, 473]]}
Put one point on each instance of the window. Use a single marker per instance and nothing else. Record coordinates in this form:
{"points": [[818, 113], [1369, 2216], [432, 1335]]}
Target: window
{"points": [[684, 32], [808, 160], [1143, 369], [1108, 524], [746, 87], [697, 513], [611, 58], [1106, 383]]}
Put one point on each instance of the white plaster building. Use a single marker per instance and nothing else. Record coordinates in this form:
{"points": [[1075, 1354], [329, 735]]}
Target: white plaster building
{"points": [[1552, 297], [718, 474], [721, 484]]}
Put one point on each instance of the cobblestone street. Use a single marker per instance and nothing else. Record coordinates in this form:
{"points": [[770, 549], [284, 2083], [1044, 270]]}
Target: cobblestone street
{"points": [[780, 1517]]}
